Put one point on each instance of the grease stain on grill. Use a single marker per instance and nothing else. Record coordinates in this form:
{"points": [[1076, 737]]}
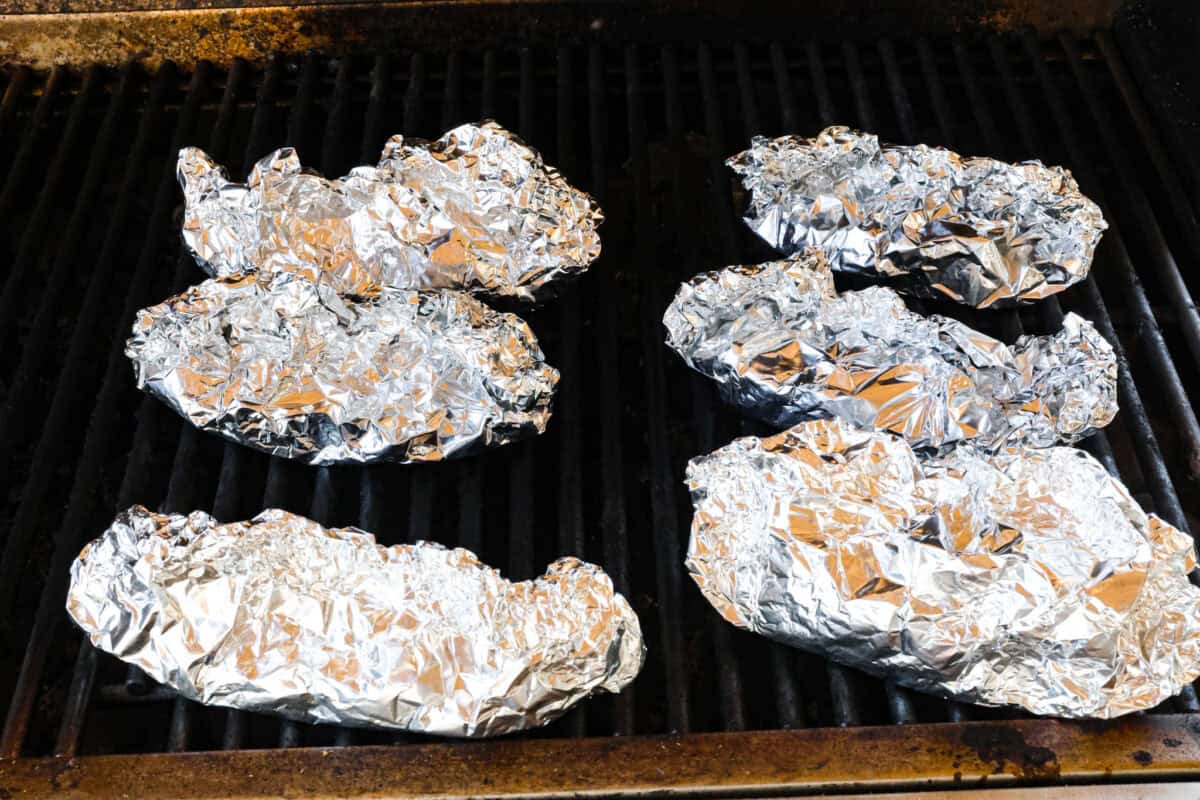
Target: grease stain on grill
{"points": [[1142, 757], [1007, 750]]}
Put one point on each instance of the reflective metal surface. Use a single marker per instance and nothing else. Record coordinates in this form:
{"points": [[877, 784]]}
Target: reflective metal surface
{"points": [[980, 231], [476, 210], [784, 346], [1030, 579], [288, 367], [280, 614]]}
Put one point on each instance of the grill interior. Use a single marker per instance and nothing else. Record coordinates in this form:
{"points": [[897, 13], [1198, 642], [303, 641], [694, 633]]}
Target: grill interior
{"points": [[91, 211]]}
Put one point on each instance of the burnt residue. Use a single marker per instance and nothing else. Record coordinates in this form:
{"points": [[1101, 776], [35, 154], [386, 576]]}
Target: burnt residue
{"points": [[1007, 750], [154, 31], [1142, 757]]}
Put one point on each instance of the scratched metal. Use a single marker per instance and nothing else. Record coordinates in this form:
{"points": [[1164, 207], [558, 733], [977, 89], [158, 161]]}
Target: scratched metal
{"points": [[981, 231], [783, 345], [1030, 579], [323, 625], [476, 210]]}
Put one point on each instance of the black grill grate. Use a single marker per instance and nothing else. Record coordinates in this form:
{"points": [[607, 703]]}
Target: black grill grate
{"points": [[90, 204]]}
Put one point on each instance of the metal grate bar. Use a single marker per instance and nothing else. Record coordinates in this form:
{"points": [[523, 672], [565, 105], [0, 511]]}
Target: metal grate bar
{"points": [[786, 96], [451, 103], [899, 699], [49, 201], [700, 392], [664, 521], [22, 159], [1149, 335], [1098, 313], [567, 401], [729, 679], [227, 500], [1048, 309], [279, 471], [858, 86], [786, 705], [703, 673], [1186, 315], [373, 132], [613, 508], [300, 115], [1183, 152], [25, 691], [1164, 165], [181, 490], [521, 486], [18, 82], [1144, 441], [487, 93], [40, 337], [149, 412], [412, 94], [98, 439], [816, 68], [420, 485], [20, 404]]}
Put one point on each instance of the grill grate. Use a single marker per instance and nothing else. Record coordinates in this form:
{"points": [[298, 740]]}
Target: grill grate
{"points": [[93, 219]]}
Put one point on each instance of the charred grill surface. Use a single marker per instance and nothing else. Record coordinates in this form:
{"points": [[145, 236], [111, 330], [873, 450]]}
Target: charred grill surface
{"points": [[89, 211]]}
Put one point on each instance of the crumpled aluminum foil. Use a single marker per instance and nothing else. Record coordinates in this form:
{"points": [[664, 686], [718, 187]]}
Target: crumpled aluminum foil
{"points": [[981, 231], [784, 346], [282, 615], [1030, 579], [290, 368], [475, 210]]}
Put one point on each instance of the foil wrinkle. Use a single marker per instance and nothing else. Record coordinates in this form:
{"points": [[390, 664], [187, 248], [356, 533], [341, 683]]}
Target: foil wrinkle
{"points": [[279, 614], [783, 345], [980, 231], [476, 210], [289, 367], [1028, 578]]}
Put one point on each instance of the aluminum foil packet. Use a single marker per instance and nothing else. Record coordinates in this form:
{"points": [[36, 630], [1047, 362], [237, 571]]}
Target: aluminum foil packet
{"points": [[476, 210], [291, 368], [1030, 579], [981, 231], [783, 345], [279, 614]]}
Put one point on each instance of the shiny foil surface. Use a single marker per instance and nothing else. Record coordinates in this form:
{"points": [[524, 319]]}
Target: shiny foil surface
{"points": [[476, 210], [1030, 579], [290, 368], [783, 345], [279, 614], [984, 232]]}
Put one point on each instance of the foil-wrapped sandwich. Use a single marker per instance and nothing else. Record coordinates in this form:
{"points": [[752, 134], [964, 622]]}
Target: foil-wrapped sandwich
{"points": [[323, 625], [290, 368], [984, 232], [785, 346], [1030, 579], [475, 210]]}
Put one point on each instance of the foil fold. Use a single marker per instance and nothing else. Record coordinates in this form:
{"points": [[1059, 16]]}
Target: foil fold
{"points": [[1029, 579], [288, 367], [279, 614], [476, 210], [783, 345], [981, 231]]}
